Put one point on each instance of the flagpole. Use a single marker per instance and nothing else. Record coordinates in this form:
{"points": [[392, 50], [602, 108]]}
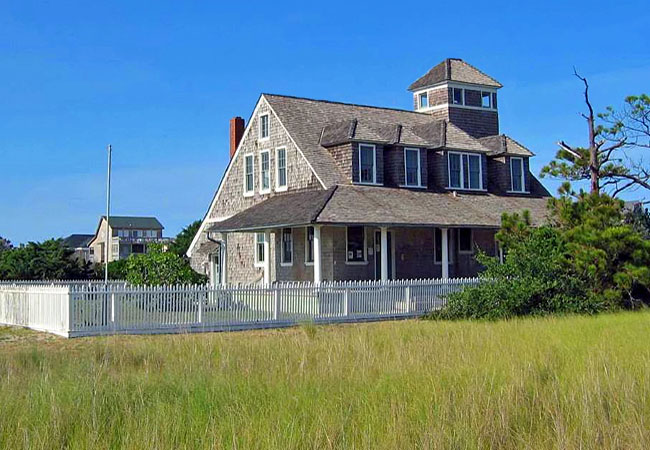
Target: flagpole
{"points": [[108, 214]]}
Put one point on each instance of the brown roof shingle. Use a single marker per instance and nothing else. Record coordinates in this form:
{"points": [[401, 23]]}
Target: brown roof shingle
{"points": [[454, 69], [371, 205]]}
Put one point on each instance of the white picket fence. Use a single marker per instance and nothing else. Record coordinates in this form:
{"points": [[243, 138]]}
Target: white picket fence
{"points": [[88, 308]]}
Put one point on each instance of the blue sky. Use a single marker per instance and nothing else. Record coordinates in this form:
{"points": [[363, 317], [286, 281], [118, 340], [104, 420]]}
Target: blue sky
{"points": [[159, 81]]}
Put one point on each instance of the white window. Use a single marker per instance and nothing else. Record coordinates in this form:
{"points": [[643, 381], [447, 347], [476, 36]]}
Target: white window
{"points": [[309, 245], [281, 169], [115, 250], [249, 174], [355, 248], [486, 99], [517, 174], [287, 247], [259, 249], [457, 97], [465, 171], [465, 240], [367, 164], [265, 126], [265, 171], [423, 100], [412, 174]]}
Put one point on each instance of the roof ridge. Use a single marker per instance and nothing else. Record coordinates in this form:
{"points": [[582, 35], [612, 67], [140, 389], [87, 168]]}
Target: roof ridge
{"points": [[347, 104]]}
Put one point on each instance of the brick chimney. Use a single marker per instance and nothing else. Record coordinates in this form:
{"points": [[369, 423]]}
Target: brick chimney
{"points": [[236, 133]]}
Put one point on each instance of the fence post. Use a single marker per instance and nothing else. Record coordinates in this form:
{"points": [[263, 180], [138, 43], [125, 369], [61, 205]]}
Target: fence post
{"points": [[200, 299], [113, 310], [407, 298], [346, 302], [276, 303]]}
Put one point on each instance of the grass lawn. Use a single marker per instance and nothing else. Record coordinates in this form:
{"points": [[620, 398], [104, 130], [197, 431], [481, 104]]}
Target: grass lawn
{"points": [[573, 382]]}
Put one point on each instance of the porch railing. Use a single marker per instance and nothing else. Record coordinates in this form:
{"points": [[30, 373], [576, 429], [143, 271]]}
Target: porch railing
{"points": [[92, 308]]}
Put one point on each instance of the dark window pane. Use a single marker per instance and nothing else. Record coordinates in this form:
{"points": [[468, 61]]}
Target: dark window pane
{"points": [[367, 169], [412, 167], [454, 170], [474, 172], [287, 245], [310, 245], [356, 247], [465, 240], [516, 171]]}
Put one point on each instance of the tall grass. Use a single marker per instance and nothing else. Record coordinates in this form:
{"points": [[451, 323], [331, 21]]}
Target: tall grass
{"points": [[574, 382]]}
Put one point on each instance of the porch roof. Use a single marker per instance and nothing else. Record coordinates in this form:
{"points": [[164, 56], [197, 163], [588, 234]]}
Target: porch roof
{"points": [[382, 206]]}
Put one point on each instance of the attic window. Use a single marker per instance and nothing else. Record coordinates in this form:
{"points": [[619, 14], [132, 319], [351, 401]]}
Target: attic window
{"points": [[367, 164], [457, 96], [423, 100], [264, 126], [486, 99]]}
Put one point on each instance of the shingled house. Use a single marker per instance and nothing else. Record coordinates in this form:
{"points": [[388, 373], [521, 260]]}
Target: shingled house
{"points": [[321, 190]]}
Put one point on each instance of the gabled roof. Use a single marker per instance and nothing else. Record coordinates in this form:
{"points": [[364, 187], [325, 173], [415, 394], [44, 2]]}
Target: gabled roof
{"points": [[315, 124], [77, 240], [381, 206], [454, 69], [504, 145], [133, 222]]}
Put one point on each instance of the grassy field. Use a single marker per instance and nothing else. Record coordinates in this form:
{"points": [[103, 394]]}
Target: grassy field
{"points": [[574, 382]]}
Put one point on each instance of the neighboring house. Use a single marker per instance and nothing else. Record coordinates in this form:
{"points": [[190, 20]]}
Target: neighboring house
{"points": [[79, 243], [321, 190], [128, 235]]}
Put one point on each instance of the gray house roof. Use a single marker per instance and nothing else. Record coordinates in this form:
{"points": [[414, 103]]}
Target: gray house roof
{"points": [[132, 222], [77, 240], [454, 69], [315, 124], [504, 145], [380, 206]]}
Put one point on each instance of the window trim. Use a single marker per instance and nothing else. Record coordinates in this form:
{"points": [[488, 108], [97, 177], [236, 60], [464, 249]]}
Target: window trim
{"points": [[248, 193], [308, 263], [284, 263], [268, 127], [279, 188], [262, 190], [257, 262], [422, 95], [523, 176], [365, 248], [471, 242], [489, 96], [462, 96], [374, 163], [462, 172], [406, 179]]}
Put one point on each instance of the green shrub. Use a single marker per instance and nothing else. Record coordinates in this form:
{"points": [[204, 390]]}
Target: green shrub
{"points": [[588, 260]]}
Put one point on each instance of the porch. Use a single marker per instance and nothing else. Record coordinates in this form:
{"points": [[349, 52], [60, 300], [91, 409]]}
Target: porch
{"points": [[318, 253]]}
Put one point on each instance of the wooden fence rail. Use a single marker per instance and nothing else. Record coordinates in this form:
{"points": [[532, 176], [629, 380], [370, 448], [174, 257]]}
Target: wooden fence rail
{"points": [[83, 308]]}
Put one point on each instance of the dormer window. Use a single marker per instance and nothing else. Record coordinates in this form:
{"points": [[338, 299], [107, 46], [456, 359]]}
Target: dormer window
{"points": [[412, 167], [517, 175], [457, 97], [367, 164], [264, 126], [423, 100], [465, 171]]}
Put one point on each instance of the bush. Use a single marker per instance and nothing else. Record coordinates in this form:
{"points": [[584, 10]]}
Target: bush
{"points": [[159, 267], [530, 281], [588, 260]]}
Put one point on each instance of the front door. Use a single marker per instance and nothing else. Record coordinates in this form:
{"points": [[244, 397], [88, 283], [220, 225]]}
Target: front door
{"points": [[215, 268], [378, 255]]}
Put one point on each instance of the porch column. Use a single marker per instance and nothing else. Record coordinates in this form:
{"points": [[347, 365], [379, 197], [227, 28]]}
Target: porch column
{"points": [[384, 253], [445, 253], [267, 257], [224, 259], [318, 277]]}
